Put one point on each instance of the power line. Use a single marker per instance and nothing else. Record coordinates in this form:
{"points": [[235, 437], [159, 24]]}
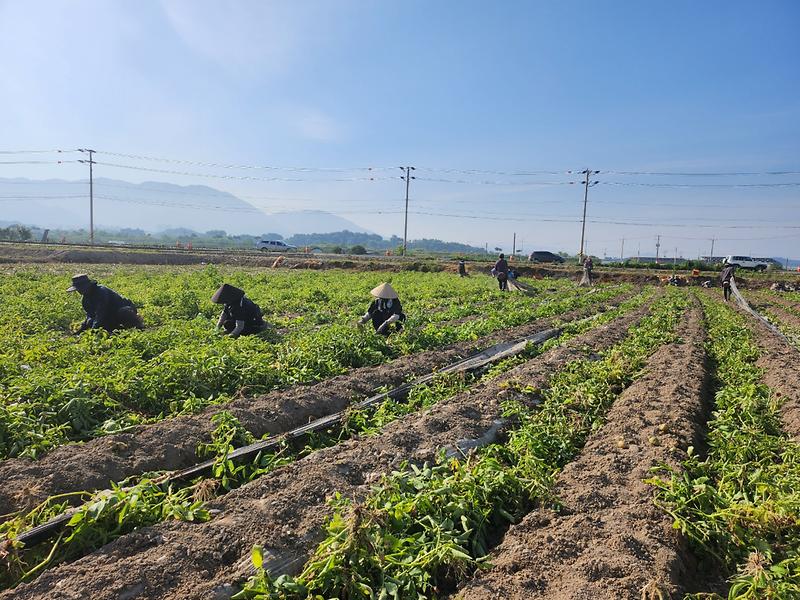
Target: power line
{"points": [[239, 177], [702, 185], [55, 150], [685, 174], [35, 162], [243, 166]]}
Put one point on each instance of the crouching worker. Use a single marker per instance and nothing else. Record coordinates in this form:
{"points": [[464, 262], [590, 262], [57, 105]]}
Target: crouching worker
{"points": [[104, 307], [385, 311], [241, 316]]}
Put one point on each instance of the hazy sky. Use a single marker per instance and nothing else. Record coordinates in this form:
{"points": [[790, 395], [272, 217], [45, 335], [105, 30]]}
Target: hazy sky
{"points": [[451, 87]]}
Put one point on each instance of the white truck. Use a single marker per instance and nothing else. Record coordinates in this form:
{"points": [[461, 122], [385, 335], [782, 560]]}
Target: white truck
{"points": [[746, 262]]}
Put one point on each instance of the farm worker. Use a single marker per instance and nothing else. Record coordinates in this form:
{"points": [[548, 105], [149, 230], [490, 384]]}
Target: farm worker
{"points": [[104, 307], [501, 272], [462, 268], [588, 265], [240, 316], [385, 310], [726, 276]]}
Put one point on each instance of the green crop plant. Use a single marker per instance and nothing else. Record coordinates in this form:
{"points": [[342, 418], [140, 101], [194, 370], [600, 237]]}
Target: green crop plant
{"points": [[740, 504], [424, 528], [56, 388], [226, 475]]}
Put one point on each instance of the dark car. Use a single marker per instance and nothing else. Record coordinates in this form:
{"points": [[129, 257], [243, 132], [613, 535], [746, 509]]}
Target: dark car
{"points": [[542, 256]]}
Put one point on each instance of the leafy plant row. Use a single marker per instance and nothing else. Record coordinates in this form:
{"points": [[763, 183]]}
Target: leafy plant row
{"points": [[740, 505], [424, 528], [106, 515], [55, 388]]}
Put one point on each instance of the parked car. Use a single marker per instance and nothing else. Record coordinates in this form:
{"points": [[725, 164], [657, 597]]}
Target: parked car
{"points": [[275, 246], [745, 262], [542, 256]]}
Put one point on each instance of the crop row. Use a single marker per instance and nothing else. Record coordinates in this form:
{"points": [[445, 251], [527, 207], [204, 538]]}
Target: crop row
{"points": [[106, 515], [55, 388], [739, 505], [422, 529]]}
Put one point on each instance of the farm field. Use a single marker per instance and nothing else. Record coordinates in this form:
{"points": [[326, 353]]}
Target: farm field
{"points": [[635, 442]]}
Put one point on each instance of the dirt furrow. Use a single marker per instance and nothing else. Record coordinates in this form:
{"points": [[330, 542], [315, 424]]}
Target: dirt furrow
{"points": [[609, 540], [171, 444], [286, 510]]}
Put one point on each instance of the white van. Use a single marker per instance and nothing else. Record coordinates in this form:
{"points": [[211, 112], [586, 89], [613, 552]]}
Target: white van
{"points": [[745, 262], [274, 246]]}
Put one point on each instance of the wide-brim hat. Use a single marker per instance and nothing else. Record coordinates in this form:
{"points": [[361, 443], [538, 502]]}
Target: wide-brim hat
{"points": [[227, 294], [80, 282], [384, 291]]}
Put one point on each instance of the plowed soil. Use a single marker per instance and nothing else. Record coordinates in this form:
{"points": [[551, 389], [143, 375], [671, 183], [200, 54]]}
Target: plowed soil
{"points": [[609, 540], [171, 444], [286, 510]]}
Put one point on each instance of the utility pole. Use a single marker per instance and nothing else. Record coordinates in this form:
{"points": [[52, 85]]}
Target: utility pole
{"points": [[658, 245], [711, 256], [91, 191], [408, 179], [586, 172], [622, 252], [514, 245]]}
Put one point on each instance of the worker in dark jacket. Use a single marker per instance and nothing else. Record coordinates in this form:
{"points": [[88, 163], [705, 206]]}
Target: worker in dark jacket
{"points": [[385, 311], [462, 268], [725, 277], [104, 307], [501, 272], [240, 316]]}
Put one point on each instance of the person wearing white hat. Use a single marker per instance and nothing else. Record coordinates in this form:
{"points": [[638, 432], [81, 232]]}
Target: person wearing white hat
{"points": [[385, 310], [104, 307]]}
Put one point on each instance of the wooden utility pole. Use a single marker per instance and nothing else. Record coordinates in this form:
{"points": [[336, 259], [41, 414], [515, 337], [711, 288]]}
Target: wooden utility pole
{"points": [[514, 245], [711, 256], [408, 178], [622, 252], [586, 172], [658, 245], [91, 191]]}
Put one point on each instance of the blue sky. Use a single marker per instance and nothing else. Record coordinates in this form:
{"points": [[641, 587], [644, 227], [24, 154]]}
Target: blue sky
{"points": [[676, 86]]}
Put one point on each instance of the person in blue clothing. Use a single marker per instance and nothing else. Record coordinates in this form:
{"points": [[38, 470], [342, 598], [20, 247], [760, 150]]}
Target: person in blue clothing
{"points": [[240, 315], [104, 308]]}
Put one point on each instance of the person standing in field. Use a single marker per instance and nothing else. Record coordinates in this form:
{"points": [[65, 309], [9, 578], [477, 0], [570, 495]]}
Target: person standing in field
{"points": [[462, 268], [104, 308], [588, 266], [501, 272], [385, 311], [725, 277], [240, 315]]}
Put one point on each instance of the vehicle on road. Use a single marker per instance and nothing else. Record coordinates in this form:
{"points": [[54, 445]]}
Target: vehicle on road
{"points": [[275, 246], [542, 256], [746, 262]]}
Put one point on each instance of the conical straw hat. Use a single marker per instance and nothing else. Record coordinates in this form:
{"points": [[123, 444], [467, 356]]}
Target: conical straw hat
{"points": [[384, 291]]}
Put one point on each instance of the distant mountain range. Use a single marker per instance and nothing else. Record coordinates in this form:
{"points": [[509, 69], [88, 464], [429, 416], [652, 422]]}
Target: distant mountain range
{"points": [[152, 206]]}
